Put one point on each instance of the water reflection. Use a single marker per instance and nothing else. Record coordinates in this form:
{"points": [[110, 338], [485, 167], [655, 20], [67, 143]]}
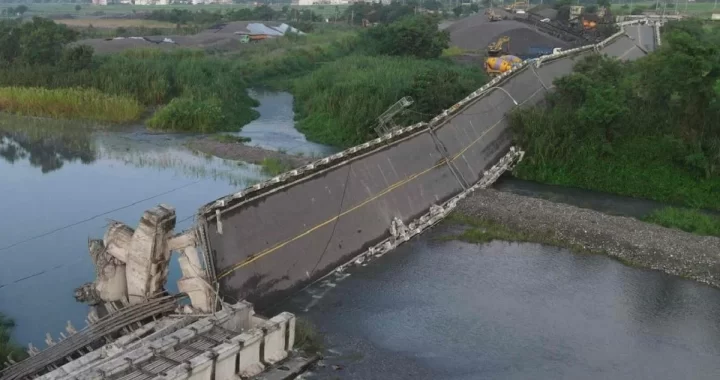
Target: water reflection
{"points": [[46, 144], [449, 310]]}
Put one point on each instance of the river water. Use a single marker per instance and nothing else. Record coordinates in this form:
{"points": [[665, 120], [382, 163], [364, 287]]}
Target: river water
{"points": [[450, 310], [430, 309], [59, 186]]}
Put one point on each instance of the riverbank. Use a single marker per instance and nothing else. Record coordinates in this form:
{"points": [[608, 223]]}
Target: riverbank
{"points": [[645, 129], [493, 215], [240, 152]]}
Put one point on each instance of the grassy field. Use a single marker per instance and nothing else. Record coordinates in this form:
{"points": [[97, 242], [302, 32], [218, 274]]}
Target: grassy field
{"points": [[69, 103], [117, 9], [106, 23], [682, 7]]}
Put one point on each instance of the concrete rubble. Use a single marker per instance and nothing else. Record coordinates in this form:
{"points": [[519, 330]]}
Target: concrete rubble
{"points": [[132, 264], [224, 345], [136, 331]]}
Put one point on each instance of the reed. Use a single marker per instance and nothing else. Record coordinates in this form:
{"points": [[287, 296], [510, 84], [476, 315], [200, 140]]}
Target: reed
{"points": [[69, 103]]}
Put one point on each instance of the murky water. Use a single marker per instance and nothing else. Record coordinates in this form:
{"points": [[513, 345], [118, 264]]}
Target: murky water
{"points": [[59, 186], [275, 131], [451, 310]]}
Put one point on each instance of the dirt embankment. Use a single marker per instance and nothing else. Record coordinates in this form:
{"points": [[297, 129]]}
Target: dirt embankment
{"points": [[241, 152], [630, 240]]}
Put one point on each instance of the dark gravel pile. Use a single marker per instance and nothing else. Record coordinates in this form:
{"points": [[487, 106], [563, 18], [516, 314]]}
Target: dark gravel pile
{"points": [[476, 32], [638, 243]]}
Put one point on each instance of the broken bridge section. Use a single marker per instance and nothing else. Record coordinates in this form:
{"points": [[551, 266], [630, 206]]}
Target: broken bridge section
{"points": [[264, 242]]}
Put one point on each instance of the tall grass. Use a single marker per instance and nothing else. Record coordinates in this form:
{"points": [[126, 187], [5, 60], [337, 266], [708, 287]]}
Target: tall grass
{"points": [[338, 104], [69, 103], [688, 220], [642, 166], [7, 346]]}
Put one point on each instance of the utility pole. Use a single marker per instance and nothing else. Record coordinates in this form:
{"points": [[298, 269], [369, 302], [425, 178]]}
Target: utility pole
{"points": [[715, 6]]}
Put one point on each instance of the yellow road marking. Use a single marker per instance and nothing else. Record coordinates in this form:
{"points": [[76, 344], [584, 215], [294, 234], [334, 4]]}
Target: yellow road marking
{"points": [[252, 258]]}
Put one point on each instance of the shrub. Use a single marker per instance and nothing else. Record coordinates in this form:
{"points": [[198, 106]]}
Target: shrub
{"points": [[77, 58], [339, 103], [413, 35], [189, 115], [688, 220]]}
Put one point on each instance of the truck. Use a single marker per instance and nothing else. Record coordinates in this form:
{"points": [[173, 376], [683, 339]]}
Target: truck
{"points": [[538, 51]]}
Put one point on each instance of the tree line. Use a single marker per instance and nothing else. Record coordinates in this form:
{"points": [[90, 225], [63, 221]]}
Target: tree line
{"points": [[648, 128]]}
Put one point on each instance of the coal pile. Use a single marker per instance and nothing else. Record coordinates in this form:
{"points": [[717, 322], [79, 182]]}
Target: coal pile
{"points": [[477, 32]]}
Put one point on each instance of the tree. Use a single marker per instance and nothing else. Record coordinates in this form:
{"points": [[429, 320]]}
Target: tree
{"points": [[77, 58], [432, 5], [591, 8], [604, 3], [21, 9], [42, 40], [7, 347], [457, 11], [416, 35], [474, 8], [637, 11], [78, 8]]}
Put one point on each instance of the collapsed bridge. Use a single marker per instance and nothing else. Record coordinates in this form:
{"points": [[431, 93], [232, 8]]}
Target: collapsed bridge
{"points": [[264, 242]]}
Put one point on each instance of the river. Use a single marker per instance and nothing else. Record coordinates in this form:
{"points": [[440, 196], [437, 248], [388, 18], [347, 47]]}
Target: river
{"points": [[451, 310], [61, 184], [430, 309]]}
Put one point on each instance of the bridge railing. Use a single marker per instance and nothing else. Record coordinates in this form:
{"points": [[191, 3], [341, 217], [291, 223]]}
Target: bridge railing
{"points": [[264, 241]]}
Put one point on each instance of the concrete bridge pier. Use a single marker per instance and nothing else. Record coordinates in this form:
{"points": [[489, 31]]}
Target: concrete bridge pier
{"points": [[132, 264]]}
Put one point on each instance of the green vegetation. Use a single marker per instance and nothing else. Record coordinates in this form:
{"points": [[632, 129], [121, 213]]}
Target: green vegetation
{"points": [[69, 103], [274, 166], [338, 103], [484, 231], [7, 347], [230, 139], [196, 91], [688, 220], [307, 338], [647, 129], [409, 36]]}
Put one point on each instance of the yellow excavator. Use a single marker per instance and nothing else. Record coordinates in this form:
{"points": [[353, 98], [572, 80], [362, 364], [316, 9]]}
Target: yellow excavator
{"points": [[517, 6], [497, 62], [492, 16]]}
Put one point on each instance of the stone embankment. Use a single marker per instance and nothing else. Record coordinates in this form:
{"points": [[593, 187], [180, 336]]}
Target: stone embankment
{"points": [[629, 240]]}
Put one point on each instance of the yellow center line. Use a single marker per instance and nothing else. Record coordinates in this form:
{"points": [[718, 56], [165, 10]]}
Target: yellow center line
{"points": [[252, 258]]}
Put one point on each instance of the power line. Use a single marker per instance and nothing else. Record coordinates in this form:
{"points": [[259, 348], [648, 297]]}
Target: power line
{"points": [[39, 273], [94, 217], [59, 266]]}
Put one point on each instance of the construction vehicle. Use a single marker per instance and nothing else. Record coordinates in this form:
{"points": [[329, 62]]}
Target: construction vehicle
{"points": [[497, 62], [492, 16], [496, 48], [518, 6], [589, 24]]}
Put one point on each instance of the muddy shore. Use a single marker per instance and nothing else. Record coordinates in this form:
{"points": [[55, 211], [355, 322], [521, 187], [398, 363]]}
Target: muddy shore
{"points": [[630, 240], [241, 152]]}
